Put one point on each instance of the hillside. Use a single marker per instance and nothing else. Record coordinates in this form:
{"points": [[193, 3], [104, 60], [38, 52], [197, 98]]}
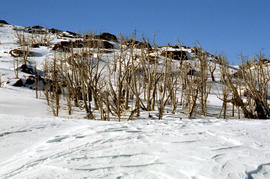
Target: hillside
{"points": [[26, 51], [169, 100]]}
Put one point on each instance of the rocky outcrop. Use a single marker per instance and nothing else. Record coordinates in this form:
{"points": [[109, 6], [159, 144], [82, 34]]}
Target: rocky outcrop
{"points": [[3, 22], [55, 31], [137, 44], [70, 34], [176, 55], [37, 29], [67, 45], [107, 36], [29, 69]]}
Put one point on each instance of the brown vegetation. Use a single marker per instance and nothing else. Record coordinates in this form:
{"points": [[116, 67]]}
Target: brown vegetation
{"points": [[140, 78]]}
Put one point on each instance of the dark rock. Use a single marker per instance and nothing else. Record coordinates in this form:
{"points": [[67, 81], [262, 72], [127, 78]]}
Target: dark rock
{"points": [[67, 45], [54, 31], [62, 46], [27, 69], [70, 34], [264, 61], [73, 33], [107, 45], [19, 83], [97, 44], [78, 44], [37, 45], [238, 74], [193, 72], [36, 27], [31, 83], [3, 22], [173, 46], [137, 44], [107, 36], [176, 55], [30, 80]]}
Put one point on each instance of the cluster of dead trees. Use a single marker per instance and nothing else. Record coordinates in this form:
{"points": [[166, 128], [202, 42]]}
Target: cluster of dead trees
{"points": [[247, 89], [143, 78], [128, 84]]}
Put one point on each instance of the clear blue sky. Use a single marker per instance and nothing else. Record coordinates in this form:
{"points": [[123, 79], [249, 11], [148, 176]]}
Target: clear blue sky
{"points": [[231, 26]]}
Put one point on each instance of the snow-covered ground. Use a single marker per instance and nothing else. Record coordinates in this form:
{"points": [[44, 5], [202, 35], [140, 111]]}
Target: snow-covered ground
{"points": [[47, 147], [34, 144]]}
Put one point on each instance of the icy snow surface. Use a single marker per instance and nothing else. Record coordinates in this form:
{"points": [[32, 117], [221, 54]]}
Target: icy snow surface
{"points": [[35, 147]]}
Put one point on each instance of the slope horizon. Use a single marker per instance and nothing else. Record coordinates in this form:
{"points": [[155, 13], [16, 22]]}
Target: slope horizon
{"points": [[232, 28]]}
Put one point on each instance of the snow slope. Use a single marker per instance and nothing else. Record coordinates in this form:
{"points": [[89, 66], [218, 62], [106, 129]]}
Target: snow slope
{"points": [[33, 144], [34, 147]]}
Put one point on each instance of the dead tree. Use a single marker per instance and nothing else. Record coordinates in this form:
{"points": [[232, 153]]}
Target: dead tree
{"points": [[255, 79], [212, 68]]}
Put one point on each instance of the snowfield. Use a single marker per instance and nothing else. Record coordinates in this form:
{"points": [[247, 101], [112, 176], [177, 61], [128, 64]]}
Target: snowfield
{"points": [[34, 144], [35, 147]]}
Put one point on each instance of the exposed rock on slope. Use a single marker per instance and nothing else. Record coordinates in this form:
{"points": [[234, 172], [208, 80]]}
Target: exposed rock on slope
{"points": [[3, 22]]}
